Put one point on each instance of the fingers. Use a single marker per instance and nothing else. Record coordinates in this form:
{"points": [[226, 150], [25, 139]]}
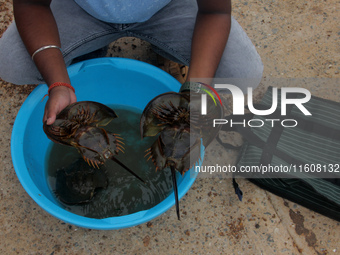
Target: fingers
{"points": [[51, 118], [59, 98], [52, 108]]}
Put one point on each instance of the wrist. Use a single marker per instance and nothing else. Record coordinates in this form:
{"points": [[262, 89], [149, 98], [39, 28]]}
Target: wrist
{"points": [[60, 84], [190, 86], [199, 87]]}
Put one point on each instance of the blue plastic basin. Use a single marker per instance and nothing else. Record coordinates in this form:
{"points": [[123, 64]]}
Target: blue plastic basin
{"points": [[108, 81]]}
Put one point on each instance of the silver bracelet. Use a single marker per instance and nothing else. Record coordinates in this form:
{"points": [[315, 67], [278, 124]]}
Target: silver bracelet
{"points": [[45, 48]]}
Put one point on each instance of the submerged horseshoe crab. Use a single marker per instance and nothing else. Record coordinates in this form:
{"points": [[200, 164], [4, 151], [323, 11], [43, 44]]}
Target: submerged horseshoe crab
{"points": [[77, 183], [181, 128]]}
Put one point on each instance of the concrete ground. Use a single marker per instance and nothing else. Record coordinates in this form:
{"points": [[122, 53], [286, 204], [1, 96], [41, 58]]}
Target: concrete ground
{"points": [[295, 39]]}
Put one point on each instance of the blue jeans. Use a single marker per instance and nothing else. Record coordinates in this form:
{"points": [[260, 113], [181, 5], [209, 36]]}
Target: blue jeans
{"points": [[169, 31]]}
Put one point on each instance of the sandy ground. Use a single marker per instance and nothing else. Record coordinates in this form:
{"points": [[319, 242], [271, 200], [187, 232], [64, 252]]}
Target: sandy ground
{"points": [[295, 39]]}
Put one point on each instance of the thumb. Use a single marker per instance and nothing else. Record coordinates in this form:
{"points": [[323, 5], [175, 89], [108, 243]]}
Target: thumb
{"points": [[51, 115], [50, 119]]}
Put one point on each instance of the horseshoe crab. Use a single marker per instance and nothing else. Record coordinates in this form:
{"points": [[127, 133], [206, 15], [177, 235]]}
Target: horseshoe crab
{"points": [[79, 125], [78, 183], [181, 128]]}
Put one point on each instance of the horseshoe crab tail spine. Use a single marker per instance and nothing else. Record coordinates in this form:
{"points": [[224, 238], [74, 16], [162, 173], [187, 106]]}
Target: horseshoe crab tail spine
{"points": [[174, 184], [128, 169]]}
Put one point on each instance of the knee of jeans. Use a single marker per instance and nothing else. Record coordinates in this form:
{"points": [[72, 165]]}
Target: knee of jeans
{"points": [[16, 65], [255, 67], [243, 74], [18, 70], [254, 72]]}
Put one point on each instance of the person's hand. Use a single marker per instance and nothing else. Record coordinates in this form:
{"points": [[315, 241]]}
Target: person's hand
{"points": [[59, 98]]}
